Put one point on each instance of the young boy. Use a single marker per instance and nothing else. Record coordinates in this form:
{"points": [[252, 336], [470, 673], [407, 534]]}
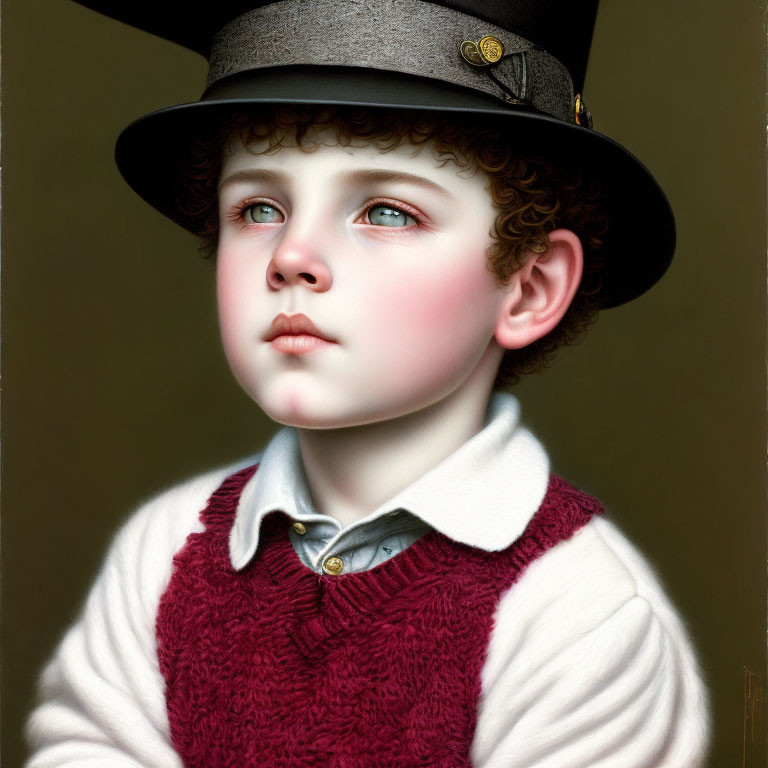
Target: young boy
{"points": [[398, 580]]}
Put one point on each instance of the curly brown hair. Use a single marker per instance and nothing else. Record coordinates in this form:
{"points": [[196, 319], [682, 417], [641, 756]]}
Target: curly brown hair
{"points": [[532, 194]]}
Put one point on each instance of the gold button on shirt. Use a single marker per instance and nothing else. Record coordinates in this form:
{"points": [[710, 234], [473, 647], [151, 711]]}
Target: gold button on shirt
{"points": [[333, 566], [356, 548]]}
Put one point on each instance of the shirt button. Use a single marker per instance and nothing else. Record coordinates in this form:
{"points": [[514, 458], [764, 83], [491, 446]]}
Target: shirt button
{"points": [[300, 528], [333, 566]]}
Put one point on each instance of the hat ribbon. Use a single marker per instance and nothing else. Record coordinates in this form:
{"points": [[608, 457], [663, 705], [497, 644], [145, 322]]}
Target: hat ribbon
{"points": [[406, 36]]}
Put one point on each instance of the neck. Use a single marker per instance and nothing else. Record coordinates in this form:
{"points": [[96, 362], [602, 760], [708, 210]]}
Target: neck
{"points": [[353, 470]]}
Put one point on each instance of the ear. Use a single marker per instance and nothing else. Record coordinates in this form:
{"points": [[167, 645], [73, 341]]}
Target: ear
{"points": [[540, 292]]}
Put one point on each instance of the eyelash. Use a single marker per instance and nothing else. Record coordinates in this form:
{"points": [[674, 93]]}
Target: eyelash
{"points": [[238, 212]]}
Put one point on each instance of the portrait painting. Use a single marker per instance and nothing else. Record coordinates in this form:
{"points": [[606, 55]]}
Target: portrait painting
{"points": [[384, 384]]}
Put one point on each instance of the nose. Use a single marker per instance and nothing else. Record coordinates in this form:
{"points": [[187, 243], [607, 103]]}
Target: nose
{"points": [[297, 263]]}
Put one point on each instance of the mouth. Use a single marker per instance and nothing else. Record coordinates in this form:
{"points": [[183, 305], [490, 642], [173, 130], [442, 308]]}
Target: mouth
{"points": [[296, 335]]}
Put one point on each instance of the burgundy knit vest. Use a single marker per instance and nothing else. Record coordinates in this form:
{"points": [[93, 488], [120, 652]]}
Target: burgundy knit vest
{"points": [[278, 666]]}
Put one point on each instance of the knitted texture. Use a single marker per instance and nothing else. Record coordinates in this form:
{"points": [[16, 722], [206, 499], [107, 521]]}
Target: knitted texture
{"points": [[276, 665]]}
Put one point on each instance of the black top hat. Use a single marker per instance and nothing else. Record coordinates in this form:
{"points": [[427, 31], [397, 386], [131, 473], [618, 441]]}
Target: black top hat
{"points": [[520, 62]]}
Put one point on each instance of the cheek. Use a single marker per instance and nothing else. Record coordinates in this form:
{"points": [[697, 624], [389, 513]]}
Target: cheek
{"points": [[235, 299], [439, 322], [227, 298], [454, 299]]}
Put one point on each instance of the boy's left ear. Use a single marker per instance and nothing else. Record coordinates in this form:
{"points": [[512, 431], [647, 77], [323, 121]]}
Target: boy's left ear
{"points": [[539, 293]]}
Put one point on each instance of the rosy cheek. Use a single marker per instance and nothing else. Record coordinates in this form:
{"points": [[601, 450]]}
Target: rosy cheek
{"points": [[435, 332], [231, 290], [451, 303]]}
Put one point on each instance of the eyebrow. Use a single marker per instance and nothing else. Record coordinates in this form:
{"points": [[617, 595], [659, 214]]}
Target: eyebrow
{"points": [[357, 176], [380, 176], [255, 175]]}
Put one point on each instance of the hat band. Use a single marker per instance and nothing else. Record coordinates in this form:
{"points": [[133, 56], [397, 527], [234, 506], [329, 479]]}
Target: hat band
{"points": [[412, 37]]}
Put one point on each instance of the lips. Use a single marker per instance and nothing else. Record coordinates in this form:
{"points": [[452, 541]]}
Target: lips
{"points": [[294, 325], [296, 335]]}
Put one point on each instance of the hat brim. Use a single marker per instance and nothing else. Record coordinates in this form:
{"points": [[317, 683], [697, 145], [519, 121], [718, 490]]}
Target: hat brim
{"points": [[637, 249]]}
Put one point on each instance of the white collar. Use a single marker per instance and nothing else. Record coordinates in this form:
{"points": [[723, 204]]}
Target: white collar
{"points": [[483, 494]]}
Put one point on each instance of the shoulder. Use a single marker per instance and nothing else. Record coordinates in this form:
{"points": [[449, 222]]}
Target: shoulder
{"points": [[141, 554], [568, 592], [587, 635], [590, 573], [175, 512], [587, 584]]}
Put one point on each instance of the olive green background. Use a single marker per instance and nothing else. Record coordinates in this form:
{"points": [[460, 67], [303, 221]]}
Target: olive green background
{"points": [[115, 385]]}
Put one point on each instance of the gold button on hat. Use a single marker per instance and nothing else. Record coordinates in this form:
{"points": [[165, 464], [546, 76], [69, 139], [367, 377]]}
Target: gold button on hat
{"points": [[491, 48], [300, 528], [488, 51], [333, 566]]}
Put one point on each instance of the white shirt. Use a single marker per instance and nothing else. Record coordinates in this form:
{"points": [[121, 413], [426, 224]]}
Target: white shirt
{"points": [[588, 664]]}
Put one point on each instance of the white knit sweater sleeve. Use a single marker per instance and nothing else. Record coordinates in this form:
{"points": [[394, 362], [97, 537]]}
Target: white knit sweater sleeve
{"points": [[589, 666], [101, 697]]}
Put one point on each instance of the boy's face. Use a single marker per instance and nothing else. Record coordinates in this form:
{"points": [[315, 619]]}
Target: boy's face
{"points": [[384, 253]]}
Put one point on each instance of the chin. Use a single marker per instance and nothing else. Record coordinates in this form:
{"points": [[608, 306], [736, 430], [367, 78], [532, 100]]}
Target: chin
{"points": [[303, 412], [311, 407]]}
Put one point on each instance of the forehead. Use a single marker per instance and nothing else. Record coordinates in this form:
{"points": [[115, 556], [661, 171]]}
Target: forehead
{"points": [[324, 155]]}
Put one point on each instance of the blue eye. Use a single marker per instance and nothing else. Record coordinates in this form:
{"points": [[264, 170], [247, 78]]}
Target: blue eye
{"points": [[387, 216], [262, 213]]}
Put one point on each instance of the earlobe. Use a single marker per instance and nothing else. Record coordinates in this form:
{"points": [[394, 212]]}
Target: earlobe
{"points": [[540, 292]]}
